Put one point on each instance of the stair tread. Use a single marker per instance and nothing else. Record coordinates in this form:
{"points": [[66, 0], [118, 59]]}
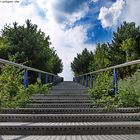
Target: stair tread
{"points": [[66, 111], [105, 114], [75, 137], [133, 123]]}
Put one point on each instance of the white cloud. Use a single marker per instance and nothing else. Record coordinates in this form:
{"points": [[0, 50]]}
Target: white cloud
{"points": [[66, 42], [132, 11], [109, 16], [95, 0]]}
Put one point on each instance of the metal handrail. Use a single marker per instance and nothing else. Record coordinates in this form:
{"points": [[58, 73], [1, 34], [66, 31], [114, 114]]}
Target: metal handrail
{"points": [[113, 67], [24, 67]]}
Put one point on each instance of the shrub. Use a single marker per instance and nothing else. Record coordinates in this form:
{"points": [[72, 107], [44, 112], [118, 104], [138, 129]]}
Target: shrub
{"points": [[129, 91], [38, 88], [12, 92], [11, 89], [103, 86]]}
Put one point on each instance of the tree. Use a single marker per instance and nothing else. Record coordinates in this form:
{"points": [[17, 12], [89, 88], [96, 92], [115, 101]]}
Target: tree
{"points": [[81, 62], [129, 47], [125, 47], [101, 57], [126, 37], [30, 46]]}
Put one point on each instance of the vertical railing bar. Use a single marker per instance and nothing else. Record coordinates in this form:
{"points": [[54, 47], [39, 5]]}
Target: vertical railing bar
{"points": [[91, 81], [87, 81], [39, 76], [47, 76], [115, 82], [25, 82]]}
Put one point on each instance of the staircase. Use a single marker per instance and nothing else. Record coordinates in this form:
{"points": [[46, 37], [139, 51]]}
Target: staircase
{"points": [[67, 113]]}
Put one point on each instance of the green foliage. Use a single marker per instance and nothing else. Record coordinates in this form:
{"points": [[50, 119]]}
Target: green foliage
{"points": [[129, 91], [124, 32], [38, 88], [103, 86], [101, 57], [81, 62], [125, 47], [12, 92], [128, 96], [30, 46], [108, 101], [129, 47]]}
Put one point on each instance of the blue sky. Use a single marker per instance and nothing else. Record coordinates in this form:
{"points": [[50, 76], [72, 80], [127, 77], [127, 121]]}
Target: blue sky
{"points": [[72, 24]]}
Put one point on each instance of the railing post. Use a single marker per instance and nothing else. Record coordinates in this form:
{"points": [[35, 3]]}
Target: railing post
{"points": [[115, 82], [53, 80], [91, 81], [25, 82], [87, 81], [39, 76], [83, 81], [73, 79], [47, 76], [78, 80]]}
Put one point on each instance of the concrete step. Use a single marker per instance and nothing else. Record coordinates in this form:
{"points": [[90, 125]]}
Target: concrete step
{"points": [[61, 97], [69, 89], [61, 94], [59, 101], [74, 137], [67, 92], [120, 117], [68, 110], [77, 128], [62, 105]]}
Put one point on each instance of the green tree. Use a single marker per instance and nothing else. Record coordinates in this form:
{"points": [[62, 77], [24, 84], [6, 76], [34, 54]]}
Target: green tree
{"points": [[125, 47], [81, 62], [125, 39], [30, 46], [101, 57], [129, 47]]}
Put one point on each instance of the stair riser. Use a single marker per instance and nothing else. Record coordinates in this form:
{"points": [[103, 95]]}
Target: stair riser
{"points": [[50, 95], [69, 90], [59, 101], [63, 118], [65, 111], [69, 130], [60, 106], [60, 98]]}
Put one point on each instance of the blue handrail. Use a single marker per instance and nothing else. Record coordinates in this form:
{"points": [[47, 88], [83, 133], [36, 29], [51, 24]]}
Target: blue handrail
{"points": [[54, 78], [89, 76]]}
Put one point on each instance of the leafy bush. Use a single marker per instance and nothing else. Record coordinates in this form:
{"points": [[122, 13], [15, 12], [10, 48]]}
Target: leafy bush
{"points": [[38, 88], [11, 89], [108, 101], [129, 91], [103, 86], [12, 92]]}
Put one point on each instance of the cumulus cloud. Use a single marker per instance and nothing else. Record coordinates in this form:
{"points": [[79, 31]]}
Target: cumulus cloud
{"points": [[132, 10], [109, 16], [67, 42], [95, 0]]}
